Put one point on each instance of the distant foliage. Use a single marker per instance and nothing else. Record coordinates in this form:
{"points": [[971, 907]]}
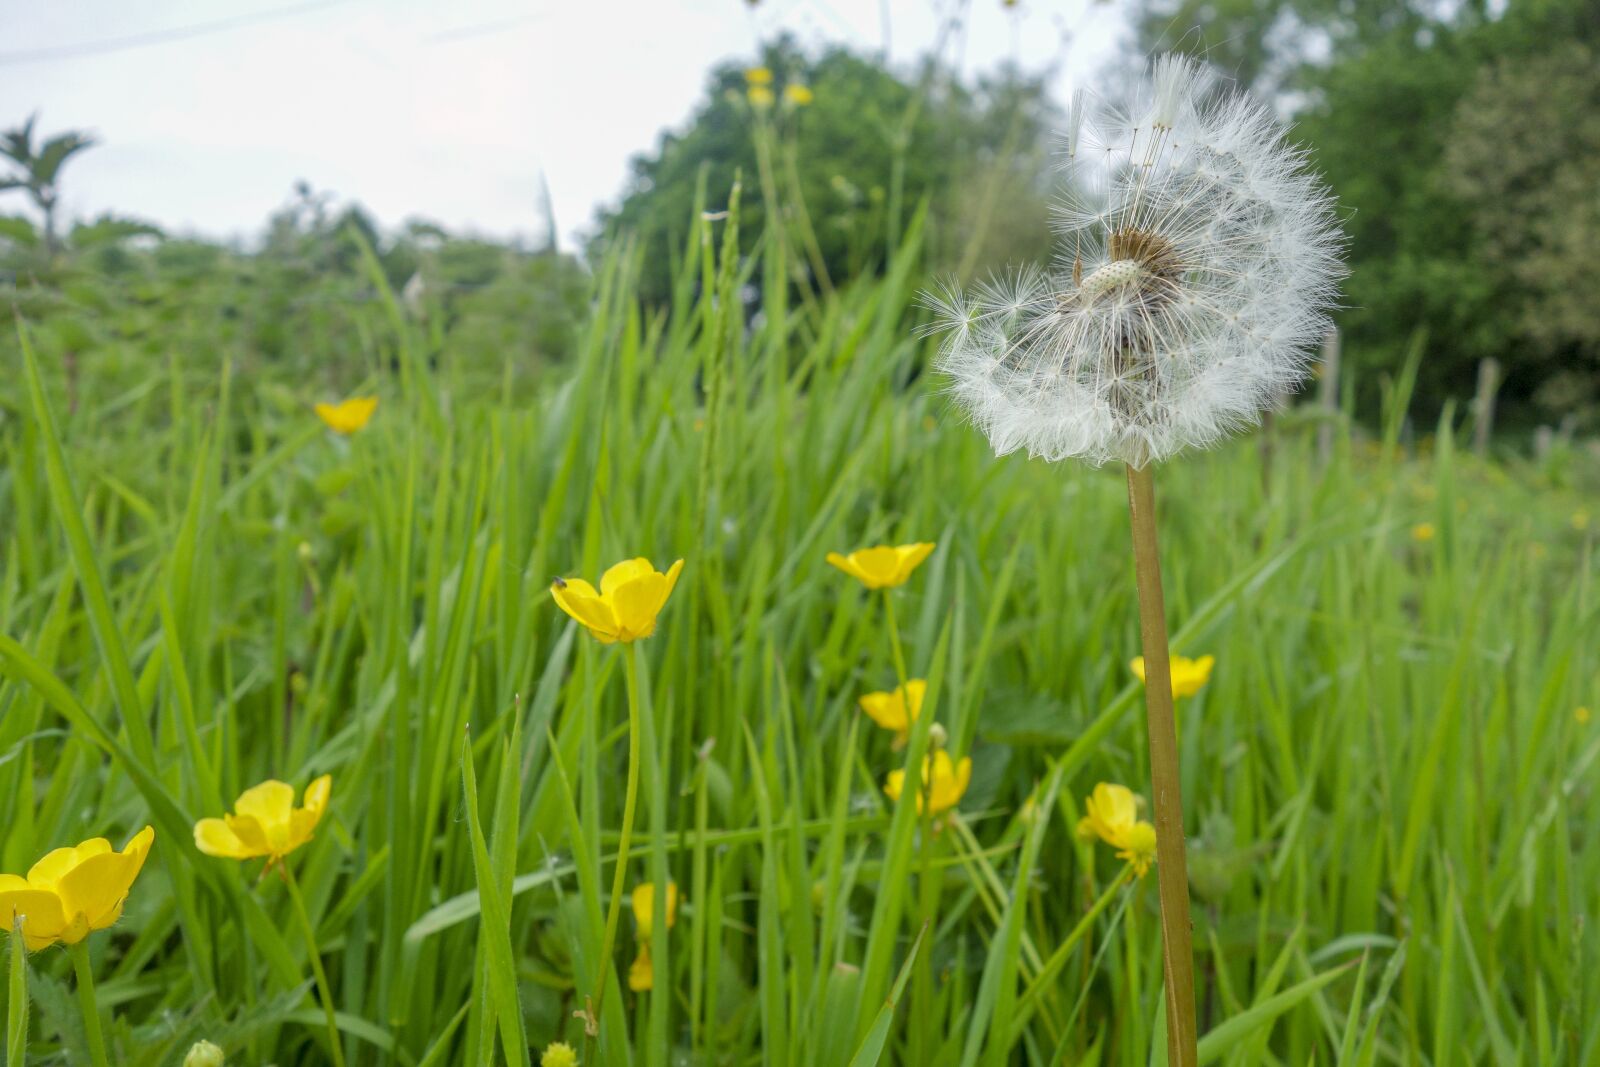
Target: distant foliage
{"points": [[1461, 139], [979, 154]]}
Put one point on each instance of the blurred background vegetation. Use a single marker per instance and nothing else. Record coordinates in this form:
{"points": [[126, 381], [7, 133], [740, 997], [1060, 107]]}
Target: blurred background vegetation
{"points": [[1462, 137]]}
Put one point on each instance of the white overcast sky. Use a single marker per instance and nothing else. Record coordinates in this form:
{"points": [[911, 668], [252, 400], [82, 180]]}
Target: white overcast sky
{"points": [[208, 111]]}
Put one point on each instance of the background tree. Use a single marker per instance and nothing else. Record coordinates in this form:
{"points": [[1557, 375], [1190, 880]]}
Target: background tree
{"points": [[1456, 135], [40, 169], [978, 154]]}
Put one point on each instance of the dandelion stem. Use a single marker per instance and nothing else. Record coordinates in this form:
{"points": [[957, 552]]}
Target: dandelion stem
{"points": [[1172, 867], [619, 879], [324, 993], [91, 1011]]}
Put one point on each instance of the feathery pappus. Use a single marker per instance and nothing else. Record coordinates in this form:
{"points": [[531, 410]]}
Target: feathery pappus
{"points": [[1198, 258]]}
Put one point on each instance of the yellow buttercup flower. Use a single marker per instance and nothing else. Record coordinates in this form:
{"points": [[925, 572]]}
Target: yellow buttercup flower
{"points": [[641, 975], [631, 595], [1582, 715], [897, 710], [73, 891], [1112, 815], [945, 782], [758, 76], [265, 822], [760, 96], [348, 416], [1423, 532], [797, 94], [558, 1054], [882, 567], [1188, 675], [1138, 847]]}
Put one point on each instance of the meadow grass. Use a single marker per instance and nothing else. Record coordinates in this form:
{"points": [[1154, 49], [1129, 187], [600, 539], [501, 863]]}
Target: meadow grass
{"points": [[1390, 796]]}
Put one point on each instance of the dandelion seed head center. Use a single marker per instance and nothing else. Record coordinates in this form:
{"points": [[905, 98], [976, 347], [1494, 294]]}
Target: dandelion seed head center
{"points": [[1114, 275]]}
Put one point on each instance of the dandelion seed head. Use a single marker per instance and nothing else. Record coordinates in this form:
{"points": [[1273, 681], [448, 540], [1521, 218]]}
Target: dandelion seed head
{"points": [[1197, 261]]}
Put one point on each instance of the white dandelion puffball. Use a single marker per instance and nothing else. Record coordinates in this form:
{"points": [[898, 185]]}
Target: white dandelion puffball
{"points": [[1197, 261]]}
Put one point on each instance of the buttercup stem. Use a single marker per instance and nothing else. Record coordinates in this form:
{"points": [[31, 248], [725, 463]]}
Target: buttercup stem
{"points": [[324, 993], [1172, 869], [619, 879], [91, 1012], [894, 639]]}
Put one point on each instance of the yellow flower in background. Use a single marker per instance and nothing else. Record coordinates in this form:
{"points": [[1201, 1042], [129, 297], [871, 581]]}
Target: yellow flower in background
{"points": [[760, 96], [1582, 715], [1112, 815], [797, 94], [758, 76], [1138, 847], [944, 782], [1580, 520], [1423, 532], [348, 416], [644, 908], [641, 975], [882, 567], [897, 710], [265, 822], [1109, 811], [558, 1054], [1188, 675], [73, 891], [632, 593]]}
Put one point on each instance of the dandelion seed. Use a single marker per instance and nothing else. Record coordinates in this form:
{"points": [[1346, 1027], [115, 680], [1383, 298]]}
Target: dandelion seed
{"points": [[73, 891], [624, 609], [1197, 262]]}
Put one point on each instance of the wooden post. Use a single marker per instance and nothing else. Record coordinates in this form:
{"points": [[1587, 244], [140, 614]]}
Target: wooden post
{"points": [[1328, 395], [1483, 405]]}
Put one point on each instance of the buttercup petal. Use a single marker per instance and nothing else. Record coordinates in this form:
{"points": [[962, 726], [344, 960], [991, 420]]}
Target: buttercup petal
{"points": [[641, 973], [94, 890], [55, 864], [250, 832], [846, 564], [910, 556], [878, 567], [637, 603], [43, 918], [216, 838], [593, 612], [619, 574], [269, 804], [886, 709]]}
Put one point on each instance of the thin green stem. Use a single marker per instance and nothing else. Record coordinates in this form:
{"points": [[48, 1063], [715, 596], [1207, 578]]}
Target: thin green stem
{"points": [[619, 879], [894, 639], [323, 991], [91, 1011]]}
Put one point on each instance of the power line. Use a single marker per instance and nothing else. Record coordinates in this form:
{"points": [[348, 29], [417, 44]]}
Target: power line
{"points": [[155, 37]]}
